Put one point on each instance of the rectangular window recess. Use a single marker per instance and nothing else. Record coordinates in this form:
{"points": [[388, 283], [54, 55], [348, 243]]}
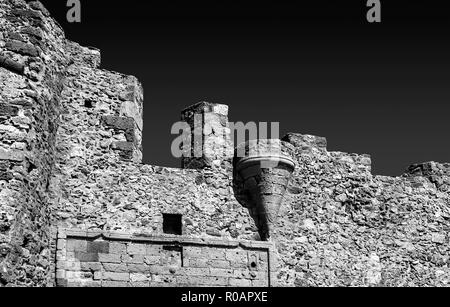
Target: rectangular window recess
{"points": [[172, 224]]}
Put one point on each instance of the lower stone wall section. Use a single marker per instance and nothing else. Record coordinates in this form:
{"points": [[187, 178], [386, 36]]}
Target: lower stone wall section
{"points": [[106, 259]]}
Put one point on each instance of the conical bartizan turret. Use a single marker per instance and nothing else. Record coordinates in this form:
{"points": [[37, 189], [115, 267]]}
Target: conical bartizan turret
{"points": [[261, 175]]}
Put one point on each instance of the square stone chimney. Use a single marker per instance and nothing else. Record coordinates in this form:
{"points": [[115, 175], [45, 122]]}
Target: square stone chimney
{"points": [[209, 142]]}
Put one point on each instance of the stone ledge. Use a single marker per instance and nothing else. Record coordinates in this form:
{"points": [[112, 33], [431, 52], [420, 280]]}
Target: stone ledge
{"points": [[164, 239]]}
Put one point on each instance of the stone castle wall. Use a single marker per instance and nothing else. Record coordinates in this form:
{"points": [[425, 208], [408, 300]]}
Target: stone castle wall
{"points": [[342, 226], [70, 158], [32, 68]]}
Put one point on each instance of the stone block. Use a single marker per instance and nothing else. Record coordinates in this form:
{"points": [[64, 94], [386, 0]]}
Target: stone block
{"points": [[214, 281], [438, 238], [132, 258], [221, 272], [114, 276], [193, 252], [233, 282], [236, 256], [60, 256], [260, 283], [98, 247], [109, 258], [5, 173], [98, 275], [7, 110], [72, 265], [90, 266], [215, 254], [76, 233], [184, 280], [131, 109], [60, 265], [222, 264], [242, 274], [30, 31], [61, 245], [198, 262], [12, 155], [115, 267], [86, 275], [154, 250], [264, 257], [137, 268], [136, 249], [60, 274], [76, 245], [137, 277], [196, 271], [164, 279], [152, 260], [123, 146], [86, 257], [73, 275], [22, 48], [11, 65], [117, 248], [125, 124], [239, 265], [159, 270]]}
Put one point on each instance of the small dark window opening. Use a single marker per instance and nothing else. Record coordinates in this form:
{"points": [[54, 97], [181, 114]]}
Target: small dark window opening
{"points": [[172, 224], [88, 104], [31, 167]]}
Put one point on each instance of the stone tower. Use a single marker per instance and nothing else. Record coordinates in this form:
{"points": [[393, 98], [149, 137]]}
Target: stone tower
{"points": [[209, 142]]}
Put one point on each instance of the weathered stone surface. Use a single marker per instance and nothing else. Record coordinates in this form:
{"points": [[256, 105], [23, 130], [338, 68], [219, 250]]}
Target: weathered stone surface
{"points": [[125, 124], [12, 155], [71, 156], [26, 13], [210, 143], [11, 65], [306, 141], [7, 110], [28, 118], [36, 5], [163, 264], [22, 48]]}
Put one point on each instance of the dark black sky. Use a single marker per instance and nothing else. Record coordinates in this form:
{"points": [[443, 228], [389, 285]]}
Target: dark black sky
{"points": [[319, 69]]}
